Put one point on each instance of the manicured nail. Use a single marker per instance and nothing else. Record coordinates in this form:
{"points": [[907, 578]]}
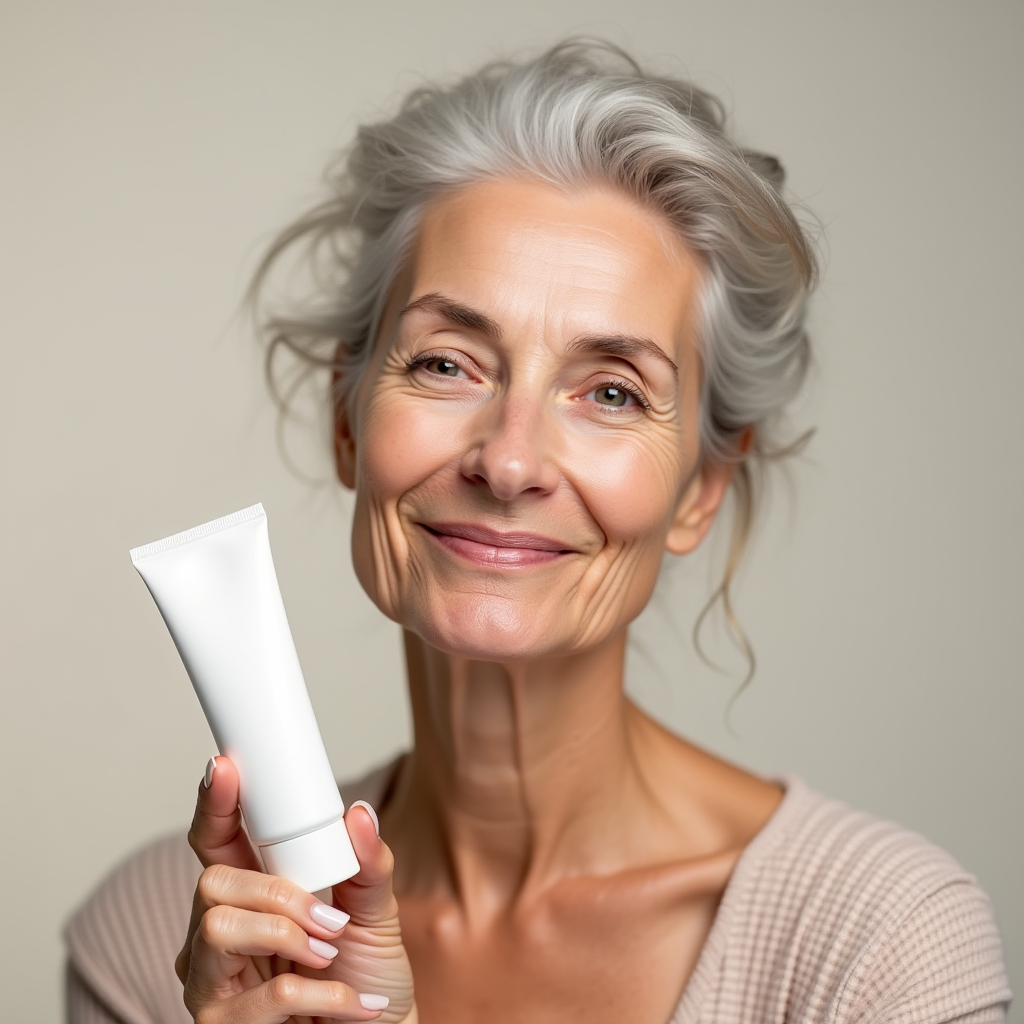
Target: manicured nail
{"points": [[211, 767], [368, 1001], [329, 917], [321, 948], [376, 827]]}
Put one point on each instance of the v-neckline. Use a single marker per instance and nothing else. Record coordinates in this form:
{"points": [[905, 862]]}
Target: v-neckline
{"points": [[704, 978], [377, 785]]}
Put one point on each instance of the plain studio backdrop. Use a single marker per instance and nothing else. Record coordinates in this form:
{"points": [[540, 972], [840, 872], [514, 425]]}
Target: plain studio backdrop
{"points": [[150, 150]]}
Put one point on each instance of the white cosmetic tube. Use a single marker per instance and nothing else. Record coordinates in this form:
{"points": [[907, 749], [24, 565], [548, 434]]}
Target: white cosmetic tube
{"points": [[217, 590]]}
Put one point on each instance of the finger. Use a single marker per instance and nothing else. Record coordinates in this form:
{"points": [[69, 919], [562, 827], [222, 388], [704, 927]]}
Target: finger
{"points": [[216, 834], [368, 896], [227, 937], [223, 886], [289, 995]]}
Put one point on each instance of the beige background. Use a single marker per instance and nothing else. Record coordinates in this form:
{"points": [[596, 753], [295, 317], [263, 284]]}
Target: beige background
{"points": [[149, 149]]}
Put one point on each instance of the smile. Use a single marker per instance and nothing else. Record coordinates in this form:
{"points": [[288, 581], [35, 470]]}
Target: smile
{"points": [[489, 548]]}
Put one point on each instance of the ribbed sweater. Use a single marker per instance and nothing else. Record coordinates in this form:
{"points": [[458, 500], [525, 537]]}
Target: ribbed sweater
{"points": [[830, 915]]}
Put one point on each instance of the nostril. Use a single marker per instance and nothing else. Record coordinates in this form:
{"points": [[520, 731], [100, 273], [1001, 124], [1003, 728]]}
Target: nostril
{"points": [[513, 459]]}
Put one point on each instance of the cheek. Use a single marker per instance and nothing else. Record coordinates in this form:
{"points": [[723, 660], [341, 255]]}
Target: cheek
{"points": [[630, 488], [401, 444]]}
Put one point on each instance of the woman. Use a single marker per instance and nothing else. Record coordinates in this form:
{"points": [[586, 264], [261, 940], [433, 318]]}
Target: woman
{"points": [[571, 317]]}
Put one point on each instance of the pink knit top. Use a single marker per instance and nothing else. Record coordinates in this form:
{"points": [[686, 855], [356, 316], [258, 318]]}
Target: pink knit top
{"points": [[830, 916]]}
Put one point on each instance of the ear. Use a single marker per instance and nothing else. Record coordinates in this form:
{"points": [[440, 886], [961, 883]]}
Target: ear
{"points": [[697, 508], [701, 501], [344, 440]]}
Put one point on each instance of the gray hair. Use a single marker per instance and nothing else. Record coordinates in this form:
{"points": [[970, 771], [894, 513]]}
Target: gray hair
{"points": [[582, 113]]}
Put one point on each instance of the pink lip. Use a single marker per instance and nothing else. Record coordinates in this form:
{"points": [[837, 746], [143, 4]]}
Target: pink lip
{"points": [[489, 547]]}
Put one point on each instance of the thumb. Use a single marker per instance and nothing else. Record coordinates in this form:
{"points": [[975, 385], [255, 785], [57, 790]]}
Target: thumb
{"points": [[216, 834], [368, 896]]}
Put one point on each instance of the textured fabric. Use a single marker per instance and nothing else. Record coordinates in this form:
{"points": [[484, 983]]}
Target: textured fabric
{"points": [[123, 942], [830, 916], [833, 915]]}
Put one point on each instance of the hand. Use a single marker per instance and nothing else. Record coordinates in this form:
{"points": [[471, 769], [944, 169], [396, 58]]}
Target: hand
{"points": [[260, 950]]}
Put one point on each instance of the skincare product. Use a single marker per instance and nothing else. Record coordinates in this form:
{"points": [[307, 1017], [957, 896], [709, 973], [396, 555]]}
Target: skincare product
{"points": [[217, 590]]}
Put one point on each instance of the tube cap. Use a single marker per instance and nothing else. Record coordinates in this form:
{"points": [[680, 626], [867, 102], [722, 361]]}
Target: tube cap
{"points": [[314, 861]]}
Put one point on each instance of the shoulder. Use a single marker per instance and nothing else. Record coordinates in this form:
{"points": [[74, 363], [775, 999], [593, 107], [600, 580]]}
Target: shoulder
{"points": [[848, 917], [122, 942]]}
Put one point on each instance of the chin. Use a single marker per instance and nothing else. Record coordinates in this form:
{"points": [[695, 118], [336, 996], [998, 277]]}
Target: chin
{"points": [[486, 629]]}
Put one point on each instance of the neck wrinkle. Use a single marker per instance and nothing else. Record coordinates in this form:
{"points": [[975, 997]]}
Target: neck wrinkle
{"points": [[523, 769]]}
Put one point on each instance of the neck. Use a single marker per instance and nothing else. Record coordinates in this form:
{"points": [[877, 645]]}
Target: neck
{"points": [[522, 773]]}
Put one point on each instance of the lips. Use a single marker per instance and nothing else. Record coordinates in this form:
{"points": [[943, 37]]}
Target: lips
{"points": [[490, 547]]}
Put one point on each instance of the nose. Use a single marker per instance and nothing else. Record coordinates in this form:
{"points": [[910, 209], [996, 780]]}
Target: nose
{"points": [[512, 452]]}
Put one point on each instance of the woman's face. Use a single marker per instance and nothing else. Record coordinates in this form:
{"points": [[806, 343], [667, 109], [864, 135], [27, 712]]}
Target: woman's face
{"points": [[524, 445]]}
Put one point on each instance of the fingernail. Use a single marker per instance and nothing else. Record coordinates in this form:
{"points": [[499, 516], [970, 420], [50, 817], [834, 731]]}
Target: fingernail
{"points": [[368, 1001], [211, 767], [329, 917], [376, 827], [321, 948]]}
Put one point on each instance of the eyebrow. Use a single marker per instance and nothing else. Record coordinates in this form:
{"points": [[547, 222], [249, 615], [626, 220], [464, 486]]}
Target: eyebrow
{"points": [[456, 313], [623, 345]]}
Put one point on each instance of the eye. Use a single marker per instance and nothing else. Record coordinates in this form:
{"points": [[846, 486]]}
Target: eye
{"points": [[610, 395], [443, 367], [438, 365], [618, 394]]}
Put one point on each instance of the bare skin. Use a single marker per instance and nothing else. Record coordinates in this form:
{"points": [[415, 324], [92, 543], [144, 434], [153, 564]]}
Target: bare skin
{"points": [[524, 449]]}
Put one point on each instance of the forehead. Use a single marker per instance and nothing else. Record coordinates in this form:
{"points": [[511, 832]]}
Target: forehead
{"points": [[533, 255]]}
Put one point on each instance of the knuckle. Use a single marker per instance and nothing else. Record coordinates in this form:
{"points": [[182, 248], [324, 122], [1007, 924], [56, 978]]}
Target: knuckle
{"points": [[279, 891], [280, 928], [213, 882], [181, 962], [204, 1014], [283, 990], [338, 994], [216, 923]]}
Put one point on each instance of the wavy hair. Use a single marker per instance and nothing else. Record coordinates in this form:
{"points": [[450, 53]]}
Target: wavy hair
{"points": [[582, 112]]}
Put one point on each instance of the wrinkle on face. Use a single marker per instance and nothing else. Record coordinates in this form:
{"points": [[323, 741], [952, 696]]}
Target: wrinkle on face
{"points": [[516, 447]]}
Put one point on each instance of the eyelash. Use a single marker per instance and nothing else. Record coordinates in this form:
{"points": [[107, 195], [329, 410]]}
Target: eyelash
{"points": [[631, 389], [615, 382], [428, 357]]}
